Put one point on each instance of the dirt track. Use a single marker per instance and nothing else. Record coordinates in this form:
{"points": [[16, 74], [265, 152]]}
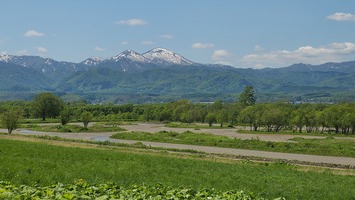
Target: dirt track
{"points": [[227, 132], [152, 128]]}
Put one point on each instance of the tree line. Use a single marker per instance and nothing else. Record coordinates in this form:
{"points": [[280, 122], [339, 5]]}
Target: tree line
{"points": [[272, 117]]}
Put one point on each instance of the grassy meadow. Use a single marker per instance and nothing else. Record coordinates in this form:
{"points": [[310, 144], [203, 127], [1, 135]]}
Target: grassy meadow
{"points": [[96, 127], [41, 162], [328, 146]]}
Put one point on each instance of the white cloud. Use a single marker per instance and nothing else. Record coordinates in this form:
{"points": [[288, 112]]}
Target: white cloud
{"points": [[41, 50], [199, 45], [99, 49], [33, 33], [307, 54], [220, 54], [258, 48], [22, 52], [124, 42], [147, 42], [132, 22], [224, 63], [167, 36], [341, 17]]}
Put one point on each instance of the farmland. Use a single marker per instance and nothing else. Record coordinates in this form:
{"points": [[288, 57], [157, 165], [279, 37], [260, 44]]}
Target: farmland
{"points": [[38, 162], [180, 146]]}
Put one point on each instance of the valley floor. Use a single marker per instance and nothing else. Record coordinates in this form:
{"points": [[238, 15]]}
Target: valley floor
{"points": [[153, 127]]}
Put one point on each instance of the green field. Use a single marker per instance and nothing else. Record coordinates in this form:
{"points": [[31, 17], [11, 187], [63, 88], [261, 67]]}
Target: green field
{"points": [[97, 127], [195, 126], [295, 133], [327, 147], [41, 163]]}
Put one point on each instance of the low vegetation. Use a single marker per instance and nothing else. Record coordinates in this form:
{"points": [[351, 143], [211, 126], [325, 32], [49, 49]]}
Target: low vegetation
{"points": [[328, 146], [42, 164], [194, 126], [96, 127], [296, 134], [81, 190]]}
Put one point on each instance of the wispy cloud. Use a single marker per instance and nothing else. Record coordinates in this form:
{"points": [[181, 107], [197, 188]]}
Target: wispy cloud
{"points": [[148, 42], [124, 42], [22, 52], [132, 22], [167, 36], [200, 45], [258, 48], [305, 54], [33, 33], [41, 50], [99, 49], [220, 54], [341, 17]]}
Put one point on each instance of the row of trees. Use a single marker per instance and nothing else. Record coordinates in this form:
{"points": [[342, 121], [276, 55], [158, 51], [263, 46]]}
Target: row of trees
{"points": [[339, 118], [44, 105]]}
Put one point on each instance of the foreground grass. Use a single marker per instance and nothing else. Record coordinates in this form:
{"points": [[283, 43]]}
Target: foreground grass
{"points": [[327, 147], [81, 190], [34, 163]]}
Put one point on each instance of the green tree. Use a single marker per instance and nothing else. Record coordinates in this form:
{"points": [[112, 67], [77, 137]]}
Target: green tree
{"points": [[298, 119], [65, 115], [217, 105], [247, 98], [148, 112], [211, 118], [333, 116], [47, 105], [222, 116], [252, 115], [10, 119], [86, 118]]}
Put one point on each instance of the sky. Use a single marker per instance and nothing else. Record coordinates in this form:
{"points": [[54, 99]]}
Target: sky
{"points": [[243, 34]]}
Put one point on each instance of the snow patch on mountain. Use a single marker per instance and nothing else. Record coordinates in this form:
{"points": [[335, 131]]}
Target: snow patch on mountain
{"points": [[5, 58], [93, 61], [164, 56], [130, 55]]}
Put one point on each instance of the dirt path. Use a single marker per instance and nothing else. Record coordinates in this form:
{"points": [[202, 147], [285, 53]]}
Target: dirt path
{"points": [[152, 128], [254, 153], [156, 127]]}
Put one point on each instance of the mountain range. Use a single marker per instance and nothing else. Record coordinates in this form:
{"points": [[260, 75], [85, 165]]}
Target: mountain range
{"points": [[162, 75]]}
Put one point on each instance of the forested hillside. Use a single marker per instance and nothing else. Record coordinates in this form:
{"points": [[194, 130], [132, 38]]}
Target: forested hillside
{"points": [[133, 78]]}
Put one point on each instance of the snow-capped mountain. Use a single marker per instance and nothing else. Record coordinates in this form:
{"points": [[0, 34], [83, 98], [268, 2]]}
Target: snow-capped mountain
{"points": [[161, 74], [93, 61], [5, 58], [130, 60], [157, 56], [131, 56], [163, 56], [49, 67]]}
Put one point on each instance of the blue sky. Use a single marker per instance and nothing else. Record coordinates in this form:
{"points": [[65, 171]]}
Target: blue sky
{"points": [[253, 33]]}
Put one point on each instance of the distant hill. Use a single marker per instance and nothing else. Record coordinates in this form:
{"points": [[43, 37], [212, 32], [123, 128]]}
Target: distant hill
{"points": [[161, 75], [17, 78]]}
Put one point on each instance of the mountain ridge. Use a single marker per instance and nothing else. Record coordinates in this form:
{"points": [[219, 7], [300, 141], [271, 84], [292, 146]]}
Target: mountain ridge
{"points": [[162, 75]]}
